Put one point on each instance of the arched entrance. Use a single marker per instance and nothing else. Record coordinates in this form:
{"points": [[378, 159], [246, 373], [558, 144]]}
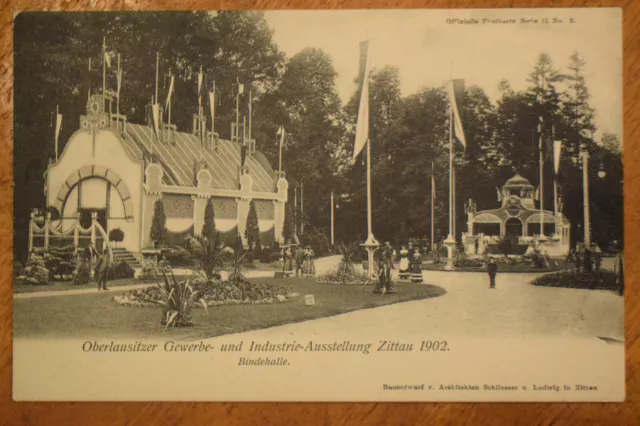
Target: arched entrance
{"points": [[513, 227]]}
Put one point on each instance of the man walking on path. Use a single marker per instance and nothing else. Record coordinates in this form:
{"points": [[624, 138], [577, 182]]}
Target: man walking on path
{"points": [[492, 270]]}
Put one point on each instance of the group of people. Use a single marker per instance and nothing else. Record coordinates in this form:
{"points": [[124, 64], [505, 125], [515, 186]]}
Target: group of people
{"points": [[586, 259], [410, 264], [301, 258]]}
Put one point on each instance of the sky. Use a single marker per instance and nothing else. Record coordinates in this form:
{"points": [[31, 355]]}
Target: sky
{"points": [[430, 46]]}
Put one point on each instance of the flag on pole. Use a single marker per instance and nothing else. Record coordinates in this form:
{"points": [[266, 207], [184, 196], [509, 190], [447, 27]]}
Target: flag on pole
{"points": [[540, 127], [107, 57], [170, 92], [155, 110], [200, 83], [499, 194], [362, 125], [212, 103], [456, 97], [536, 196], [433, 185], [557, 149], [240, 88], [58, 126], [119, 81]]}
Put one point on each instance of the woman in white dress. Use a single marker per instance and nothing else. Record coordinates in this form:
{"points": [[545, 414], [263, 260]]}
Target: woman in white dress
{"points": [[404, 272]]}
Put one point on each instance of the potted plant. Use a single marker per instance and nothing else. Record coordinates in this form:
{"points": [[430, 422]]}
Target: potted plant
{"points": [[116, 235]]}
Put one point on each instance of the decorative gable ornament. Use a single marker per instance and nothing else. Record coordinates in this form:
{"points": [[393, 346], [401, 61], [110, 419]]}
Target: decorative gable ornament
{"points": [[96, 118]]}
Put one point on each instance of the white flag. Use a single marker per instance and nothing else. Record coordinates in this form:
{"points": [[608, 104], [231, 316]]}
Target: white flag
{"points": [[240, 88], [557, 149], [280, 131], [536, 196], [107, 58], [456, 95], [362, 125], [212, 102], [155, 109], [58, 126], [170, 92], [200, 82]]}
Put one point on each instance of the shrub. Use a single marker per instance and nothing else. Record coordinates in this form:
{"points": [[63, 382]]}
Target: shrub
{"points": [[116, 235], [149, 270], [60, 262], [252, 231], [249, 257], [275, 256], [205, 254], [346, 267], [123, 270], [36, 272], [159, 223], [177, 300], [82, 273], [605, 280], [209, 226], [176, 257], [238, 268]]}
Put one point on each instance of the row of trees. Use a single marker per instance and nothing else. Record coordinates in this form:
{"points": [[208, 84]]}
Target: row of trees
{"points": [[408, 133]]}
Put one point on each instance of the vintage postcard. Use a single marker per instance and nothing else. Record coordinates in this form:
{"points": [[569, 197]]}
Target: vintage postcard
{"points": [[362, 205]]}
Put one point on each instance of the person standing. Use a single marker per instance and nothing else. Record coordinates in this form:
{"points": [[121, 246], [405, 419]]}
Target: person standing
{"points": [[103, 267], [308, 267], [492, 270], [287, 258], [299, 260], [404, 272], [416, 266]]}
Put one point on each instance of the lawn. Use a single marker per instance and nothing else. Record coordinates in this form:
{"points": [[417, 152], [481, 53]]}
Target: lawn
{"points": [[96, 315], [20, 287]]}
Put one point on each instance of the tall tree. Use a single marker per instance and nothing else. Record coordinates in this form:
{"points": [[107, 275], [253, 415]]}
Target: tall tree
{"points": [[314, 125]]}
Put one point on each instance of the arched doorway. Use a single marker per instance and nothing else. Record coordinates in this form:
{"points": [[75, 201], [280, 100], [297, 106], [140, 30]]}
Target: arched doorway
{"points": [[513, 227]]}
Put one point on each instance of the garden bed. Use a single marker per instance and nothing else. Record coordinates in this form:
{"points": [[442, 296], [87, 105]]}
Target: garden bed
{"points": [[213, 294], [502, 268], [603, 280], [95, 315]]}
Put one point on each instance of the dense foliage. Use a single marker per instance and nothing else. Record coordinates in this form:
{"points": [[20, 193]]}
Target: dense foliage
{"points": [[209, 227], [409, 132]]}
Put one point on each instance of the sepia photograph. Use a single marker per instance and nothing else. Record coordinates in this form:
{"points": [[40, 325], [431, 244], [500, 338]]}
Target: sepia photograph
{"points": [[357, 205]]}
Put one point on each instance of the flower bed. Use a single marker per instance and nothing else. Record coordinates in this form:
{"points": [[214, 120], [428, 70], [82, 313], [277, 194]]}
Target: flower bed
{"points": [[336, 278], [603, 280], [213, 294]]}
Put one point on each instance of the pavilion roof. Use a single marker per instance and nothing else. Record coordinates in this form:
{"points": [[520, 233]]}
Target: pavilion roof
{"points": [[178, 157]]}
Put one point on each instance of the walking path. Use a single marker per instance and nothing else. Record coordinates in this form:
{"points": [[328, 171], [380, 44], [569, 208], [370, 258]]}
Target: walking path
{"points": [[516, 308]]}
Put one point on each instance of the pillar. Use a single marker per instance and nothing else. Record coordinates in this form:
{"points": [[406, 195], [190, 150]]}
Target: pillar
{"points": [[76, 233], [280, 207], [94, 219]]}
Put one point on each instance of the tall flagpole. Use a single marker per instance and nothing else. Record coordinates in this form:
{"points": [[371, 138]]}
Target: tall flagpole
{"points": [[542, 237], [104, 72], [432, 206], [332, 220], [450, 242], [301, 208], [56, 130], [157, 67]]}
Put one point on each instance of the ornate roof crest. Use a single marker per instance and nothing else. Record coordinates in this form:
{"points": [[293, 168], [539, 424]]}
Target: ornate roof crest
{"points": [[96, 118]]}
